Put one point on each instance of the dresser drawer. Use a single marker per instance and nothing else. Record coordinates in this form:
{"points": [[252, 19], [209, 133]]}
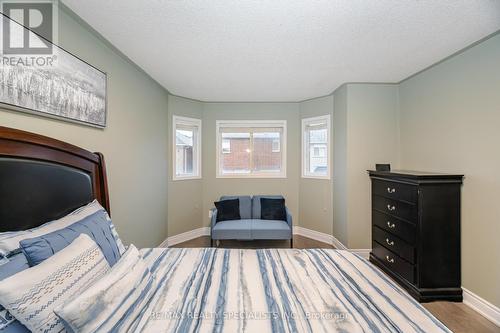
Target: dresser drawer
{"points": [[394, 190], [393, 262], [395, 208], [395, 244], [395, 226]]}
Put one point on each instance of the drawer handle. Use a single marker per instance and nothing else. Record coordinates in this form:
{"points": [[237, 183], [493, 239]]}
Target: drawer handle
{"points": [[391, 208], [391, 225], [391, 190], [389, 259], [390, 243]]}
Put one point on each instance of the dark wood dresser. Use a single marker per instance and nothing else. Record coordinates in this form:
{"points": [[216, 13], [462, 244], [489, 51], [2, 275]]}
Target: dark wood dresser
{"points": [[416, 232]]}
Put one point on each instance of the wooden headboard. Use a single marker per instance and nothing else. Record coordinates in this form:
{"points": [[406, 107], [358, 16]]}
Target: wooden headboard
{"points": [[42, 179]]}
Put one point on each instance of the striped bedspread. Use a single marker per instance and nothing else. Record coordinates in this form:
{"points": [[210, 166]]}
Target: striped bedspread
{"points": [[276, 290]]}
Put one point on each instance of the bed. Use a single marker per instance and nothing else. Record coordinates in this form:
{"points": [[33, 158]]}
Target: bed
{"points": [[206, 289]]}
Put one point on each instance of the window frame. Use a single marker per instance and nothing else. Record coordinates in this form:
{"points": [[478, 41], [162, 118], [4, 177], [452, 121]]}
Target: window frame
{"points": [[251, 124], [306, 147], [189, 122]]}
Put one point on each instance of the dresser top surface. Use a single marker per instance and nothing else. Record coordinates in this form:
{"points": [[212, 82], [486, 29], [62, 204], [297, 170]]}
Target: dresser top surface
{"points": [[414, 174]]}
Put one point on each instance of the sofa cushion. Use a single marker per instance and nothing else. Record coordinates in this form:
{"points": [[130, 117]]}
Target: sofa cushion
{"points": [[236, 229], [245, 205], [270, 229], [272, 209], [256, 211], [228, 210]]}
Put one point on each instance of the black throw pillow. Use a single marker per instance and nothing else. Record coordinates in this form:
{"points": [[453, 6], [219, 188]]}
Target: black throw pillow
{"points": [[272, 209], [228, 210]]}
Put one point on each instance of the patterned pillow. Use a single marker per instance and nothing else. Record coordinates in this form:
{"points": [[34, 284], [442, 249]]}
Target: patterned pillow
{"points": [[114, 301], [32, 295], [9, 241]]}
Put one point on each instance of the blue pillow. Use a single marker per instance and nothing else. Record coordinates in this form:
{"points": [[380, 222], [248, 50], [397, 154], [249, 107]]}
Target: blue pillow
{"points": [[96, 226], [13, 265]]}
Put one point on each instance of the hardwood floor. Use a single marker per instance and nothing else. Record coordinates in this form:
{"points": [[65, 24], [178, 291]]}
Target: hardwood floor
{"points": [[458, 317], [299, 242]]}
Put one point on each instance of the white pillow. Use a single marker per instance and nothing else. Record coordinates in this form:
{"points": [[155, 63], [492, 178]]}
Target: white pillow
{"points": [[113, 302], [9, 241], [32, 295]]}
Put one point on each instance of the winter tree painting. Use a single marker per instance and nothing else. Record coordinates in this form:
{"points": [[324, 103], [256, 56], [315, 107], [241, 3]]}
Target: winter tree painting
{"points": [[59, 85]]}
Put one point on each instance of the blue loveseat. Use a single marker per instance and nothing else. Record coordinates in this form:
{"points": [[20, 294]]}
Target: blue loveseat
{"points": [[251, 226]]}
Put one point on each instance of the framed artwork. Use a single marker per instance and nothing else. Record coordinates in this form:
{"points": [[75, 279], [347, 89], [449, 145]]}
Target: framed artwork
{"points": [[58, 84]]}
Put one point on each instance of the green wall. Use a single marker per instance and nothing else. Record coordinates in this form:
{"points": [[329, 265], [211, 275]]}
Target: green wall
{"points": [[450, 122], [372, 137], [134, 143], [366, 132], [339, 164]]}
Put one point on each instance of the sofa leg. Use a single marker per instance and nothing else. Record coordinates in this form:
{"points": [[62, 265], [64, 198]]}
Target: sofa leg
{"points": [[211, 242], [291, 243]]}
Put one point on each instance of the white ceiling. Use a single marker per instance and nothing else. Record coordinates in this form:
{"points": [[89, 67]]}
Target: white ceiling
{"points": [[285, 50]]}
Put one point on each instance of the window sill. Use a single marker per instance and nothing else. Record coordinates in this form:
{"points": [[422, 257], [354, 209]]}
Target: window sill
{"points": [[255, 176], [316, 177], [177, 178]]}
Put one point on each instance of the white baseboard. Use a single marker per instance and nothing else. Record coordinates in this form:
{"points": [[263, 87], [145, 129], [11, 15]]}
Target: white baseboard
{"points": [[364, 253], [338, 244], [329, 239], [313, 234], [186, 236], [482, 306]]}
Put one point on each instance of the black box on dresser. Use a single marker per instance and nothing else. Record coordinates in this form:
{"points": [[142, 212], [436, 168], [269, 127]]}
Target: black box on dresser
{"points": [[416, 232]]}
